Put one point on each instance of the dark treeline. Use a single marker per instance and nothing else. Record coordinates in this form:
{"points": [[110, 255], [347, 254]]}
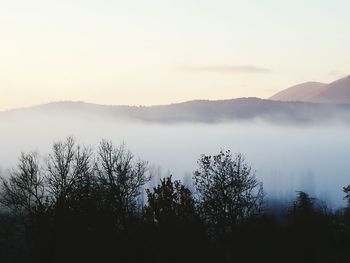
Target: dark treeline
{"points": [[78, 205]]}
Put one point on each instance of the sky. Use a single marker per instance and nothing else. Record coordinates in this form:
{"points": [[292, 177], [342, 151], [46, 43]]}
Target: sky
{"points": [[146, 52]]}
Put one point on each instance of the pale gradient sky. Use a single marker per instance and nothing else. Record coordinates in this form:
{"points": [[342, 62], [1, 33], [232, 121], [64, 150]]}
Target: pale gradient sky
{"points": [[161, 51]]}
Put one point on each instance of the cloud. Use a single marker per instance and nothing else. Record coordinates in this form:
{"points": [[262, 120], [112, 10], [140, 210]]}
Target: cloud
{"points": [[225, 69]]}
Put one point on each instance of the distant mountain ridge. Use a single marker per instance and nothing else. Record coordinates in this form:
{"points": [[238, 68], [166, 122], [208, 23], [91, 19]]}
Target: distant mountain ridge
{"points": [[337, 92], [204, 111]]}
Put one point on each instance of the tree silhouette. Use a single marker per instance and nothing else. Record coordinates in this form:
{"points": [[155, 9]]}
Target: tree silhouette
{"points": [[229, 192], [346, 190], [304, 203], [170, 201], [69, 172], [172, 214], [120, 178], [24, 191], [25, 194], [82, 206]]}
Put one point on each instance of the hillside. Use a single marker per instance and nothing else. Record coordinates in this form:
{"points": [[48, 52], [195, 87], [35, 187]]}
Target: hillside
{"points": [[195, 111], [301, 92], [337, 92]]}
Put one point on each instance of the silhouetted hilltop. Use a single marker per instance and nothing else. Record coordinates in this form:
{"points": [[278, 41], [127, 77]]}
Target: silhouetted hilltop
{"points": [[199, 111], [335, 92]]}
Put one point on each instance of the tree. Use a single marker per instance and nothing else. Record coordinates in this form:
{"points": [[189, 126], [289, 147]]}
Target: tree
{"points": [[120, 178], [24, 191], [69, 173], [346, 190], [75, 205], [302, 209], [172, 221], [304, 203], [170, 202], [228, 190]]}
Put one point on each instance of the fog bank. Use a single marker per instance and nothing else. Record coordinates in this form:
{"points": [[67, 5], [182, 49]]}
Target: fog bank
{"points": [[287, 158]]}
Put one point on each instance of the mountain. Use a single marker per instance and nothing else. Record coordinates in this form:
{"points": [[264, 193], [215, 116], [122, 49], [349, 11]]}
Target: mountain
{"points": [[203, 111], [301, 92], [337, 92]]}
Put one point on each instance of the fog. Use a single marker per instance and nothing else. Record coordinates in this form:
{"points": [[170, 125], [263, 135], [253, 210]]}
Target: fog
{"points": [[285, 157]]}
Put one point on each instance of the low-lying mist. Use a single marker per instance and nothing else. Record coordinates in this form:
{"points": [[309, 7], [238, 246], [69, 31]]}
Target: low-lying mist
{"points": [[287, 158]]}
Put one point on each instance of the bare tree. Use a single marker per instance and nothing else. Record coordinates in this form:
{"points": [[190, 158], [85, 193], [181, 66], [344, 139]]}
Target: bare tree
{"points": [[69, 169], [228, 190], [24, 191], [121, 178]]}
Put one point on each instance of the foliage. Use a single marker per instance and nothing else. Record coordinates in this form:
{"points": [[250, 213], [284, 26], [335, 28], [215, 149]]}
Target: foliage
{"points": [[229, 192], [170, 201]]}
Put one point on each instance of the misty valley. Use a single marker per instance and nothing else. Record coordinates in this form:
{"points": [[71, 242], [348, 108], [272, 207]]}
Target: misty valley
{"points": [[182, 131], [86, 183], [287, 157]]}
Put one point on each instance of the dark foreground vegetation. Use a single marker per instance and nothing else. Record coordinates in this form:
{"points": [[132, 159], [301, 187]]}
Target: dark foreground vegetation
{"points": [[76, 205]]}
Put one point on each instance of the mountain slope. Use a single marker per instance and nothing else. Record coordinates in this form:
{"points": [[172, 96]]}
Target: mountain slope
{"points": [[302, 92], [337, 92]]}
